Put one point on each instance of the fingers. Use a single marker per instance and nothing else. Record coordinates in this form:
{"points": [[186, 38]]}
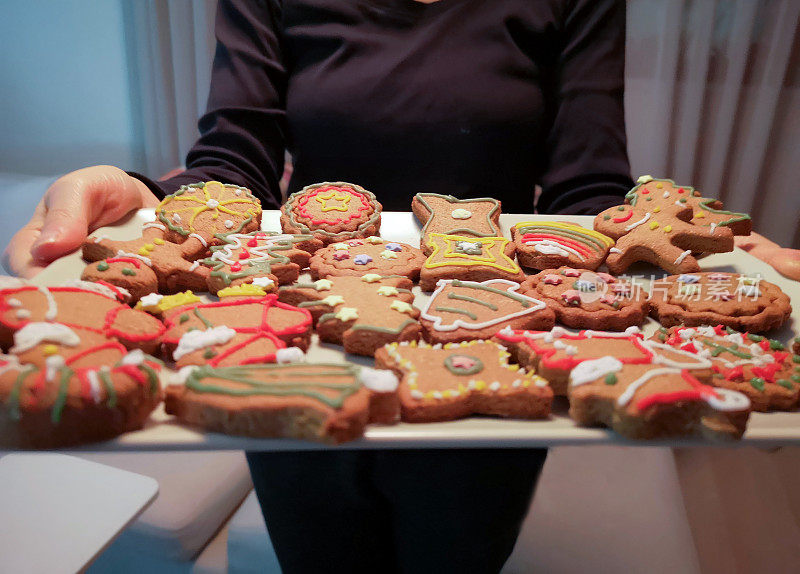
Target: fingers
{"points": [[784, 261], [17, 257]]}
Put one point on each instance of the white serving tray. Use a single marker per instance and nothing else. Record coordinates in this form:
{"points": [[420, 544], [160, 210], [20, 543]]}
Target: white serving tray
{"points": [[161, 433]]}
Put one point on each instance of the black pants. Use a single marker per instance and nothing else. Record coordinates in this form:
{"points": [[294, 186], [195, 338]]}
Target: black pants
{"points": [[439, 511]]}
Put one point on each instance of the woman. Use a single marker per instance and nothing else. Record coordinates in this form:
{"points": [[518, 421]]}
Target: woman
{"points": [[466, 97]]}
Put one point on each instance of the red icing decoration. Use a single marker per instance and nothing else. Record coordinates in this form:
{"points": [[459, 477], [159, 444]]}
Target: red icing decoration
{"points": [[362, 205], [577, 245], [252, 242], [680, 190], [720, 330], [623, 218], [244, 254], [767, 372], [645, 191], [698, 392], [132, 260], [236, 267]]}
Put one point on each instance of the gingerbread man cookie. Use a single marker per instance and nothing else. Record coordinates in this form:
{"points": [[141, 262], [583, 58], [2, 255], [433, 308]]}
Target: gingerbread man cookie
{"points": [[330, 403], [447, 215], [133, 274], [746, 303], [74, 371], [588, 300], [656, 226], [369, 255], [465, 310], [455, 380], [361, 313], [549, 244], [332, 211], [761, 368], [659, 399], [260, 257], [469, 259]]}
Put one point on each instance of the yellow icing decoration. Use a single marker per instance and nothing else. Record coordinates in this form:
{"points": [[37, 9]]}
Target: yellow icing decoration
{"points": [[323, 285], [346, 314], [374, 239], [700, 214], [452, 258], [171, 301], [656, 209], [654, 224], [569, 227], [388, 290], [340, 246], [667, 228], [149, 246], [243, 290], [158, 241], [401, 306], [212, 191], [659, 185], [332, 300], [480, 385], [386, 254], [144, 252], [644, 179], [50, 349], [371, 277], [333, 196]]}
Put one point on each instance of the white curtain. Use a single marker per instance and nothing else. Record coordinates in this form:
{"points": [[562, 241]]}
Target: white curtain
{"points": [[712, 100]]}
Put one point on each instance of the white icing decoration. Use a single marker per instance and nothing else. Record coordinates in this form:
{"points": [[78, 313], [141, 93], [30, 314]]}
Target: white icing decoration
{"points": [[263, 282], [52, 308], [176, 218], [378, 380], [195, 340], [626, 397], [151, 300], [550, 247], [212, 203], [257, 254], [135, 358], [237, 192], [228, 223], [727, 400], [22, 314], [461, 213], [200, 239], [615, 250], [666, 195], [536, 305], [289, 355], [179, 378], [52, 364], [36, 333], [142, 258], [99, 288], [11, 362], [713, 227], [194, 265], [154, 225], [13, 303], [682, 256], [99, 238], [588, 371], [636, 224], [94, 385]]}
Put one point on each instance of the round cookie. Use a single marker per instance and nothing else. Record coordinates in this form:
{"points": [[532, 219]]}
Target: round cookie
{"points": [[129, 273], [587, 300], [551, 244], [370, 255], [332, 211], [731, 299]]}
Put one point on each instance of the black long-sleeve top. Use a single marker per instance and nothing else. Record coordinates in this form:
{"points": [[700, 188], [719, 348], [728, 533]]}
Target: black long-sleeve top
{"points": [[464, 97]]}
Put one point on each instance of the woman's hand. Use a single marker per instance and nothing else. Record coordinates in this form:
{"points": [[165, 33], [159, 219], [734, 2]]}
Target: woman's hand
{"points": [[785, 261], [74, 206]]}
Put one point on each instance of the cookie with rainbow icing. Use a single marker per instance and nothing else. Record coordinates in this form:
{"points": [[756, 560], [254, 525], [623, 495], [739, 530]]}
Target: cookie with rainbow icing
{"points": [[361, 313], [445, 382], [323, 402], [369, 255], [665, 397], [763, 369], [549, 244], [742, 302], [73, 367], [658, 224], [332, 211], [465, 310], [589, 300], [469, 259], [447, 215]]}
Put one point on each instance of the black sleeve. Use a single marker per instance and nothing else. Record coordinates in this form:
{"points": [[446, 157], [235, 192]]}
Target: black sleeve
{"points": [[587, 165], [242, 131]]}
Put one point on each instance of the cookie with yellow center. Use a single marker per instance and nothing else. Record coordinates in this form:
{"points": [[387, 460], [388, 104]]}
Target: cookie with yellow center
{"points": [[445, 382]]}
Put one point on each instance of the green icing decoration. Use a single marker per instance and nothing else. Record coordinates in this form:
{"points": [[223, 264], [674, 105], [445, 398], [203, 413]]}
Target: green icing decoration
{"points": [[755, 338], [785, 384], [796, 358], [460, 297], [611, 379], [606, 217], [377, 329], [61, 398], [209, 354], [757, 383], [13, 397], [775, 345], [183, 318], [105, 378], [477, 367], [469, 314], [152, 377], [288, 211], [128, 271], [206, 322], [795, 378], [519, 298], [102, 266]]}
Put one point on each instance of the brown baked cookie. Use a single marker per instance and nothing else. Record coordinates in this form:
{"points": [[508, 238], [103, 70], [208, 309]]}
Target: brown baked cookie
{"points": [[260, 257], [796, 346], [656, 226], [660, 399], [332, 211], [761, 368], [68, 376], [588, 300], [441, 383], [468, 259], [361, 313], [551, 244], [124, 272], [447, 215], [368, 255], [466, 310], [553, 354], [329, 403], [731, 299], [239, 329]]}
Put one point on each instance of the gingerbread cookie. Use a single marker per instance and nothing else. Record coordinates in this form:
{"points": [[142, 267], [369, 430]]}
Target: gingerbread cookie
{"points": [[123, 272], [553, 354], [332, 211], [264, 258], [659, 399], [465, 310], [326, 402], [656, 226], [440, 383], [239, 329], [550, 244], [361, 313], [796, 346], [588, 300], [447, 215], [369, 255], [74, 371], [739, 301], [469, 259], [761, 368]]}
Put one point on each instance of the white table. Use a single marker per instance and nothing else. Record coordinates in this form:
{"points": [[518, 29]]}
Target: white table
{"points": [[58, 512], [764, 429]]}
